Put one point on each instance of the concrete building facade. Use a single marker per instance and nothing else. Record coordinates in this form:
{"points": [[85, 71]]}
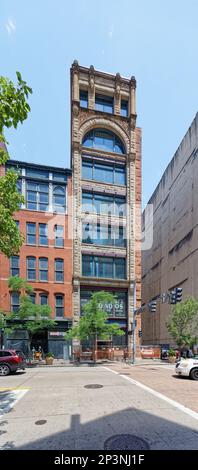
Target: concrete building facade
{"points": [[106, 175], [172, 261]]}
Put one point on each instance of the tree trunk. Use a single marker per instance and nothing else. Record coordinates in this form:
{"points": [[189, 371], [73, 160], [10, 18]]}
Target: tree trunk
{"points": [[95, 348]]}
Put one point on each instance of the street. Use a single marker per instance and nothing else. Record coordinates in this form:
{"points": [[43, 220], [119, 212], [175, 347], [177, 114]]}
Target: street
{"points": [[51, 408]]}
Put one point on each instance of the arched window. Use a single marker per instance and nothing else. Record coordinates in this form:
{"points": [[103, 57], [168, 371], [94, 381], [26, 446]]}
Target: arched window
{"points": [[104, 140], [43, 299], [59, 199]]}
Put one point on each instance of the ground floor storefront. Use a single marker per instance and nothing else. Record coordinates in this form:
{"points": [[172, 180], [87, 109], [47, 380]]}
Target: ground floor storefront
{"points": [[43, 341]]}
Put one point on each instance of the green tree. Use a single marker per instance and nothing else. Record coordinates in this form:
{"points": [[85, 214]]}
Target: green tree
{"points": [[14, 109], [30, 317], [93, 324], [183, 323]]}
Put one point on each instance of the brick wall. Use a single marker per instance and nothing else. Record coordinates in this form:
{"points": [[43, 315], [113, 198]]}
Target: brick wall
{"points": [[50, 252]]}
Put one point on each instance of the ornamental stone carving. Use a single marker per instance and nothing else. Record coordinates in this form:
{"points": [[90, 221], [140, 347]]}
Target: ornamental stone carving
{"points": [[101, 122], [75, 108]]}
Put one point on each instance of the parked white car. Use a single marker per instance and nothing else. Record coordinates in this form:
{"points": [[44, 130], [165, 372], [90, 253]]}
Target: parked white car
{"points": [[188, 367]]}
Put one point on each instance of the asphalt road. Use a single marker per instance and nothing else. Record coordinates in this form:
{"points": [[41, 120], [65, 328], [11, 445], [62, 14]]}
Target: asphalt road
{"points": [[50, 408]]}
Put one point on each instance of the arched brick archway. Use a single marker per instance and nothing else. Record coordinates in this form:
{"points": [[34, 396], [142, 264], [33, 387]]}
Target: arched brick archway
{"points": [[103, 123]]}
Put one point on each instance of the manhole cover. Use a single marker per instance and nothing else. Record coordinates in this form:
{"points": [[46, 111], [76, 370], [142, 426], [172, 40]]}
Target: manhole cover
{"points": [[41, 421], [125, 442], [93, 386]]}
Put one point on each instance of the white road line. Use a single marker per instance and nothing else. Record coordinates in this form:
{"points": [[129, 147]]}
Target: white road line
{"points": [[174, 403], [18, 394]]}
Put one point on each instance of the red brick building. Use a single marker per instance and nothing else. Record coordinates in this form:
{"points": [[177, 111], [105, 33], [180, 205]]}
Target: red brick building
{"points": [[45, 259]]}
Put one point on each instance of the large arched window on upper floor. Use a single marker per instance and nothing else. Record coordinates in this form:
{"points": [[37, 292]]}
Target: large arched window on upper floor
{"points": [[103, 140]]}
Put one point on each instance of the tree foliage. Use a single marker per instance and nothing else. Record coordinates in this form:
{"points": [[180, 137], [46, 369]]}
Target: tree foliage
{"points": [[30, 317], [183, 323], [13, 109], [93, 324], [10, 200]]}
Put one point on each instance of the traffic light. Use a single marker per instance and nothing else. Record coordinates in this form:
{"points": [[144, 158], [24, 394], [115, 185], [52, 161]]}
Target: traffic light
{"points": [[178, 294], [173, 298], [153, 306], [140, 333]]}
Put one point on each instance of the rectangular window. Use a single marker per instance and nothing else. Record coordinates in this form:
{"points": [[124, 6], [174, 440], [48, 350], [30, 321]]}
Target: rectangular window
{"points": [[103, 173], [43, 269], [114, 310], [120, 175], [31, 268], [59, 270], [87, 170], [36, 173], [37, 196], [19, 186], [31, 233], [124, 108], [57, 176], [43, 299], [43, 197], [14, 265], [112, 174], [87, 202], [43, 234], [120, 268], [104, 235], [17, 224], [120, 206], [87, 265], [15, 302], [104, 103], [104, 267], [103, 204], [59, 305], [83, 99], [59, 236]]}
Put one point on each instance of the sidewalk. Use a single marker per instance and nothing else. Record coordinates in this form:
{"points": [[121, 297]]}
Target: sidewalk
{"points": [[63, 363]]}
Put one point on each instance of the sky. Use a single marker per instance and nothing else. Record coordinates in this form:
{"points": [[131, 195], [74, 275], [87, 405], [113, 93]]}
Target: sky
{"points": [[154, 40]]}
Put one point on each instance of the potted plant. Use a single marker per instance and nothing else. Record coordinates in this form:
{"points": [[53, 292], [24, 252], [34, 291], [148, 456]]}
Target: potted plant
{"points": [[171, 355], [49, 357]]}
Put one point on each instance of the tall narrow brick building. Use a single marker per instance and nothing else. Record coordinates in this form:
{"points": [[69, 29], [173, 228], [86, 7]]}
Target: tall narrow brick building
{"points": [[106, 175]]}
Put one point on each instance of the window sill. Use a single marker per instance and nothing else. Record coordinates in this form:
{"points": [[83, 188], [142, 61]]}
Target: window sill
{"points": [[104, 182]]}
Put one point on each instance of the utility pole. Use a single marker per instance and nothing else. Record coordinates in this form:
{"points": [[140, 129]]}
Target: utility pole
{"points": [[133, 326]]}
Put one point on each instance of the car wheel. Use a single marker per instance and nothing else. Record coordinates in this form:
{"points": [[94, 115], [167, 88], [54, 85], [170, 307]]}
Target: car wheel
{"points": [[194, 374], [4, 370]]}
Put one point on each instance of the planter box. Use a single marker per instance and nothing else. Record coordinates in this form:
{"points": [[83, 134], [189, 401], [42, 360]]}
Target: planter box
{"points": [[49, 360], [171, 359]]}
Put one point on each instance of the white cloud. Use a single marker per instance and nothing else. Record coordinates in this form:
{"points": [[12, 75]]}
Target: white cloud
{"points": [[10, 26]]}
